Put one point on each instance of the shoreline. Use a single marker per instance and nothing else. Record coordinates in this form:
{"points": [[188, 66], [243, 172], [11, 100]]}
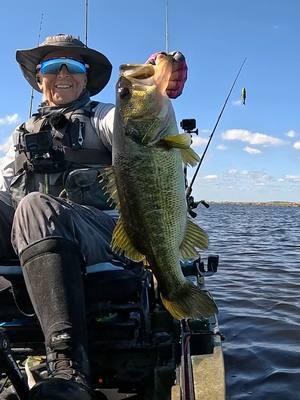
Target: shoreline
{"points": [[258, 203]]}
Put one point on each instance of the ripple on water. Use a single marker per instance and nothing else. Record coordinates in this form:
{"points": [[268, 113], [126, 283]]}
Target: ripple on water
{"points": [[257, 289]]}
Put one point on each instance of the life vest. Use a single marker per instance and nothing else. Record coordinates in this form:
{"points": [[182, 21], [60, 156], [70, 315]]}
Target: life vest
{"points": [[50, 147]]}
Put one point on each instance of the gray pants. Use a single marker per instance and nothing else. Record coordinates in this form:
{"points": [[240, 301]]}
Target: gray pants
{"points": [[6, 219], [39, 216]]}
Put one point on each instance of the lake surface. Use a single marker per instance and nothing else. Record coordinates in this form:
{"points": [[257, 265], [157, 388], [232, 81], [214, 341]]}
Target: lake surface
{"points": [[257, 289]]}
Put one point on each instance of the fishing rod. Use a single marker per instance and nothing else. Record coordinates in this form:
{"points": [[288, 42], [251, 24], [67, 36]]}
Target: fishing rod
{"points": [[32, 90], [189, 188], [187, 378]]}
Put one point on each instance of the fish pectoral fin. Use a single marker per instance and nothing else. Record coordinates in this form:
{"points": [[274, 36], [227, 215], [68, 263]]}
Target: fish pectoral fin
{"points": [[121, 244], [195, 238], [183, 142], [108, 181], [180, 141], [190, 157]]}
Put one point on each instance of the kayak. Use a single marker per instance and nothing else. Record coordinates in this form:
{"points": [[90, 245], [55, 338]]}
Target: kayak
{"points": [[136, 349]]}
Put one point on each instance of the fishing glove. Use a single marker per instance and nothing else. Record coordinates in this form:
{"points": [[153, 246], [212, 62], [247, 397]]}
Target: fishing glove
{"points": [[179, 73]]}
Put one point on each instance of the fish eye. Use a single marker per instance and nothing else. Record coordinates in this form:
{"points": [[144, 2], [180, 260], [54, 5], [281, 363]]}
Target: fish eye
{"points": [[124, 93]]}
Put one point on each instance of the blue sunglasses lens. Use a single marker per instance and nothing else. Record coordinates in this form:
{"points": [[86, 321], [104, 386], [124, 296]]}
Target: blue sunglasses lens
{"points": [[54, 66]]}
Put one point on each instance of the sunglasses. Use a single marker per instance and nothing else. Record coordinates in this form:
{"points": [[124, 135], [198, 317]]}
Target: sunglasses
{"points": [[54, 65]]}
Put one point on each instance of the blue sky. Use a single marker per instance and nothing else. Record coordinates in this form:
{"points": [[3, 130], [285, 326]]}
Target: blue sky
{"points": [[255, 153]]}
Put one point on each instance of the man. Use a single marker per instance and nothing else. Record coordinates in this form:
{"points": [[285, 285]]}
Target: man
{"points": [[61, 219]]}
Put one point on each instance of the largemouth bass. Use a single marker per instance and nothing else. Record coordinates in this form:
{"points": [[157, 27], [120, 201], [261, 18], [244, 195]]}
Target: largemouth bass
{"points": [[147, 184]]}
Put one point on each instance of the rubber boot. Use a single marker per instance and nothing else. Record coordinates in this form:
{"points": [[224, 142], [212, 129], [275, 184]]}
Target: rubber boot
{"points": [[52, 273]]}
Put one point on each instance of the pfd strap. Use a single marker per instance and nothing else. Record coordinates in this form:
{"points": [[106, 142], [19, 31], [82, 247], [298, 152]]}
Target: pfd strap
{"points": [[87, 156]]}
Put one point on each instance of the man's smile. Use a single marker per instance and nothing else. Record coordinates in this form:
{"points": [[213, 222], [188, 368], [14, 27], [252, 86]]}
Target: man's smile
{"points": [[63, 86]]}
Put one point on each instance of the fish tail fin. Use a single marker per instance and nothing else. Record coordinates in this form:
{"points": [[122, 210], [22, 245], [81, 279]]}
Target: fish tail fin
{"points": [[190, 302]]}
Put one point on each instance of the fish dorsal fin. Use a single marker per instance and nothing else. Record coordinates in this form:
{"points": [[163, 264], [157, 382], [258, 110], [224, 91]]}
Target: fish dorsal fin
{"points": [[183, 142], [195, 238], [121, 244], [108, 181]]}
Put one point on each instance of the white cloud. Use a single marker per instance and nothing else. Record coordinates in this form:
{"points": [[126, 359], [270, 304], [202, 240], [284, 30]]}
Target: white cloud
{"points": [[291, 133], [251, 150], [296, 145], [245, 179], [199, 141], [253, 138], [9, 153], [9, 119], [210, 177], [289, 178], [4, 147], [248, 185], [222, 147], [292, 178]]}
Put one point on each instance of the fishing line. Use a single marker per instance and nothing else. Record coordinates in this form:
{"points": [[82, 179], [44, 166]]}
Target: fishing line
{"points": [[86, 21], [189, 189], [167, 25], [38, 43]]}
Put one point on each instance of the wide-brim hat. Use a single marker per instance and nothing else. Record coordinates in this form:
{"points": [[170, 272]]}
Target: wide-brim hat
{"points": [[99, 66]]}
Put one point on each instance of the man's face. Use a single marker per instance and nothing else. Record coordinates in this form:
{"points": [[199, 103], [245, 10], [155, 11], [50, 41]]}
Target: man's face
{"points": [[63, 87]]}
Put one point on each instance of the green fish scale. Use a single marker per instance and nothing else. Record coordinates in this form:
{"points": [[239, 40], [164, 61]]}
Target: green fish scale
{"points": [[150, 183]]}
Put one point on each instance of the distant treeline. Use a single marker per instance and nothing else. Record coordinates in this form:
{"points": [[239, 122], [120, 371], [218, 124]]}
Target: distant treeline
{"points": [[259, 203]]}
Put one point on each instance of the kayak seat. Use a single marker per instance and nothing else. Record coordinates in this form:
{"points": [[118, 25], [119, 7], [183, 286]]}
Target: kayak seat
{"points": [[107, 281]]}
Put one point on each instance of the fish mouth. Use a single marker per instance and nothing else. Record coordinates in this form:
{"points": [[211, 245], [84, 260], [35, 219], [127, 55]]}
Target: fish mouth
{"points": [[128, 83], [137, 71], [134, 81], [139, 75]]}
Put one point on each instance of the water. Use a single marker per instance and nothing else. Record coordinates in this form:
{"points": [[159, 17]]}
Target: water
{"points": [[257, 289]]}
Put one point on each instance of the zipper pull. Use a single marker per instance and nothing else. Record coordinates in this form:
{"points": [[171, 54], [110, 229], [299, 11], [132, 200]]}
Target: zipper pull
{"points": [[81, 134]]}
